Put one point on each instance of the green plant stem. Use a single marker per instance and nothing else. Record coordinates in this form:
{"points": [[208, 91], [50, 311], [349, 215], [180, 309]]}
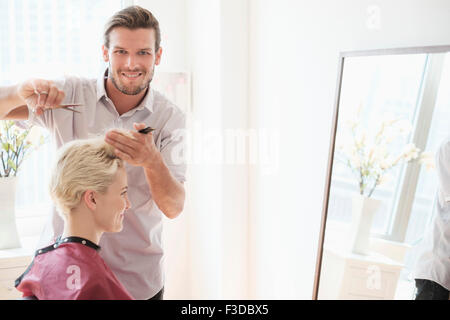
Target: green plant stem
{"points": [[374, 186], [15, 155], [3, 163], [19, 150], [20, 162], [361, 182], [7, 161]]}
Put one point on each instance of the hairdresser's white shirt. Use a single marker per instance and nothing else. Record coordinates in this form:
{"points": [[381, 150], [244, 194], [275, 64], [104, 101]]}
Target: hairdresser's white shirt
{"points": [[434, 263], [135, 254]]}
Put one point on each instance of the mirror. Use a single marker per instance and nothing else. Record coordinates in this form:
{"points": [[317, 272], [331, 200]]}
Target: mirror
{"points": [[392, 112]]}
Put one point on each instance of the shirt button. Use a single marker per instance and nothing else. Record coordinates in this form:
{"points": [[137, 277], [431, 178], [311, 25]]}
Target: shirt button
{"points": [[83, 242], [40, 251], [55, 246]]}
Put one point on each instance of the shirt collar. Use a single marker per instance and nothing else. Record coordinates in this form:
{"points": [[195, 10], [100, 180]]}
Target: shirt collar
{"points": [[101, 92], [147, 102]]}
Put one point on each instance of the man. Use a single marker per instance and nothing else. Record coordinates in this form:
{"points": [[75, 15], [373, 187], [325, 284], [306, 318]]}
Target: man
{"points": [[121, 97], [433, 269]]}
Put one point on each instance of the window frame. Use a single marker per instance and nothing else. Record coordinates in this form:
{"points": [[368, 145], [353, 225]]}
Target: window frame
{"points": [[410, 176]]}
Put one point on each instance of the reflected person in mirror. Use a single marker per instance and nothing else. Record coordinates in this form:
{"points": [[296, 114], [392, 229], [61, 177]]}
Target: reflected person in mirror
{"points": [[432, 273]]}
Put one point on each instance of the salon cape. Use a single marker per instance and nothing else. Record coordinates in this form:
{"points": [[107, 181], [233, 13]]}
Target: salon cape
{"points": [[70, 269]]}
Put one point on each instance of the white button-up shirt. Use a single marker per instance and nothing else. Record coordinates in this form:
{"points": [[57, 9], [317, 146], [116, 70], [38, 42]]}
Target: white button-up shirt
{"points": [[434, 263], [135, 254]]}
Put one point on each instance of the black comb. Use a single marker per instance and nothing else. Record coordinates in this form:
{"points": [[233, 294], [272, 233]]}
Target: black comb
{"points": [[146, 130]]}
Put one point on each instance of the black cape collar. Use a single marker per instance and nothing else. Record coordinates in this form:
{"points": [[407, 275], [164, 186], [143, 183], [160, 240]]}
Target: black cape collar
{"points": [[60, 241]]}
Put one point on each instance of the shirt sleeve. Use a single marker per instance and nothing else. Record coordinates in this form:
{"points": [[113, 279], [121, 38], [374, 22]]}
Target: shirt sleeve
{"points": [[443, 170], [173, 145], [47, 119]]}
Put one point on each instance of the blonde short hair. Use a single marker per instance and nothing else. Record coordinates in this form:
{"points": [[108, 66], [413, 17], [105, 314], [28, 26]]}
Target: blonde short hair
{"points": [[81, 165]]}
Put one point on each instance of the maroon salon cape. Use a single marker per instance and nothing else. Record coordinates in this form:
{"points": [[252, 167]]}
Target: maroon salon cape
{"points": [[70, 269]]}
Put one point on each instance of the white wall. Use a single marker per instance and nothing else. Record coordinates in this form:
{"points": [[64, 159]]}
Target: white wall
{"points": [[218, 57], [206, 197], [172, 18], [207, 246], [294, 54], [288, 87], [234, 111]]}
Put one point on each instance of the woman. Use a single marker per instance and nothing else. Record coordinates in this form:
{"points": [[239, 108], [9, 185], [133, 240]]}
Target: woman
{"points": [[89, 188]]}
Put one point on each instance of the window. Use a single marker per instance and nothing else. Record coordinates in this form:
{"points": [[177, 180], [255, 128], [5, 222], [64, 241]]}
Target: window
{"points": [[48, 39], [380, 84], [413, 87], [424, 204]]}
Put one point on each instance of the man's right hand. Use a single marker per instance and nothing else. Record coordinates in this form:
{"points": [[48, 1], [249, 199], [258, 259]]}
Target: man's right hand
{"points": [[40, 94]]}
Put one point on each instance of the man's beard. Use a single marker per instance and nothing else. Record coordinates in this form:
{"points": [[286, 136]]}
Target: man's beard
{"points": [[126, 89]]}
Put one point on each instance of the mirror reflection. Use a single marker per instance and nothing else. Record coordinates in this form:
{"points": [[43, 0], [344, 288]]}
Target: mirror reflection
{"points": [[393, 116]]}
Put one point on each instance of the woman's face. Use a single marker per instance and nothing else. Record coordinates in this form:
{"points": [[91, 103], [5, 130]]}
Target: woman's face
{"points": [[110, 207]]}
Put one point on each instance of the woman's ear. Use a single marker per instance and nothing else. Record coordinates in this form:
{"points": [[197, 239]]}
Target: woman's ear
{"points": [[89, 199]]}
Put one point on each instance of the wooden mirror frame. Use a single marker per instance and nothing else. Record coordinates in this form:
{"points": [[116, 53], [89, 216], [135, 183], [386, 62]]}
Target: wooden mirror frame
{"points": [[341, 62]]}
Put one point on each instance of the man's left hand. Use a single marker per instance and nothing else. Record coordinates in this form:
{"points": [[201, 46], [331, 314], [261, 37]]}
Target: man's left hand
{"points": [[140, 150]]}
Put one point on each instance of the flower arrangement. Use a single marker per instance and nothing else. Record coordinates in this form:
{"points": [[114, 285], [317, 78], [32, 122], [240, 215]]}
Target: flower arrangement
{"points": [[15, 146], [367, 154]]}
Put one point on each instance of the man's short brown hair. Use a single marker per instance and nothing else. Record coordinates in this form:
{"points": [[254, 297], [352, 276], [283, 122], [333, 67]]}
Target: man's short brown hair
{"points": [[133, 17]]}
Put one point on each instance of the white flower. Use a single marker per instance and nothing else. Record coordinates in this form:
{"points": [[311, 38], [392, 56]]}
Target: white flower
{"points": [[427, 159], [385, 179], [390, 134], [351, 123], [410, 152], [386, 163], [389, 119], [404, 127], [366, 147], [379, 153], [360, 140]]}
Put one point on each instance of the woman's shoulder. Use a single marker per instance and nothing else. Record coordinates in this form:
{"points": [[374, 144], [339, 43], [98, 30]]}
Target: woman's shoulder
{"points": [[71, 271]]}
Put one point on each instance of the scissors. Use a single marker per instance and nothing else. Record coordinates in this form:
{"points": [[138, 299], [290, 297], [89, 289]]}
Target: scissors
{"points": [[67, 106], [63, 106]]}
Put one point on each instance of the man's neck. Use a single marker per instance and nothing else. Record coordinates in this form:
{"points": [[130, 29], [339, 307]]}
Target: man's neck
{"points": [[123, 102]]}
